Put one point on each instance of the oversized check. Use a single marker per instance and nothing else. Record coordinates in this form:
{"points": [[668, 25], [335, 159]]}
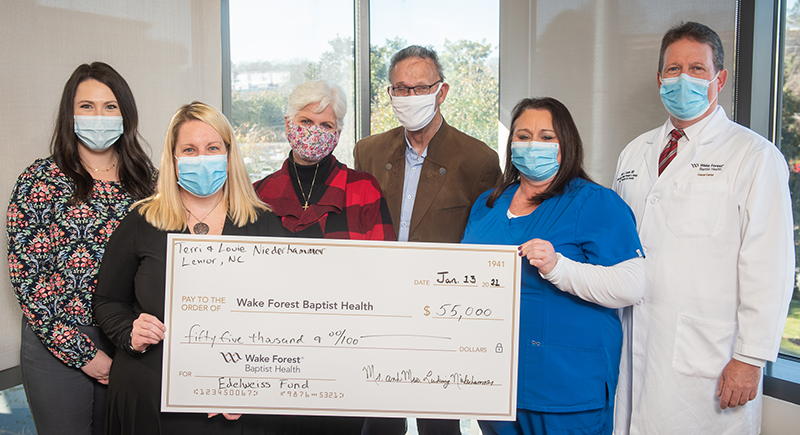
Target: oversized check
{"points": [[322, 327]]}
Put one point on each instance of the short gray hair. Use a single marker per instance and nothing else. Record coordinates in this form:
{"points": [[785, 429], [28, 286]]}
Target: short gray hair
{"points": [[416, 51], [322, 92]]}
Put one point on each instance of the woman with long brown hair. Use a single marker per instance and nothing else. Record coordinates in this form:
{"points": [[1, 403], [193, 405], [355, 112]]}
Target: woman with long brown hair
{"points": [[62, 211]]}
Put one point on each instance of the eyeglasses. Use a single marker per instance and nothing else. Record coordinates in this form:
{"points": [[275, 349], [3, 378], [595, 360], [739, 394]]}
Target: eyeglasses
{"points": [[403, 91]]}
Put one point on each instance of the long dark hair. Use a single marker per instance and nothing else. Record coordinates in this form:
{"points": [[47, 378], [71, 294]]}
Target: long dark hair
{"points": [[134, 167], [569, 141]]}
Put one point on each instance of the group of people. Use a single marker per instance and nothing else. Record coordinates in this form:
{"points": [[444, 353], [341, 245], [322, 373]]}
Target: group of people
{"points": [[647, 309]]}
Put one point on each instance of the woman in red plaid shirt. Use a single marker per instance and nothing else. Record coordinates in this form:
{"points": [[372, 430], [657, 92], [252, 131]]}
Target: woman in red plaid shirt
{"points": [[316, 196]]}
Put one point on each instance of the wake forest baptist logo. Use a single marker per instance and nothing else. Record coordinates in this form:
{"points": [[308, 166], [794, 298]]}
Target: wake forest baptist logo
{"points": [[231, 357], [707, 169]]}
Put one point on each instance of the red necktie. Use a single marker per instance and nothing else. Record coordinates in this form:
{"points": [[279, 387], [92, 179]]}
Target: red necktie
{"points": [[669, 151]]}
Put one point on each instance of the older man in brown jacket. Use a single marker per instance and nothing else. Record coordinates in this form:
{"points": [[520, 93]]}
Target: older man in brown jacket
{"points": [[430, 173]]}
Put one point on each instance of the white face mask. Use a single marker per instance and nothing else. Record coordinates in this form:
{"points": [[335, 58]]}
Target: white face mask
{"points": [[415, 111], [98, 132]]}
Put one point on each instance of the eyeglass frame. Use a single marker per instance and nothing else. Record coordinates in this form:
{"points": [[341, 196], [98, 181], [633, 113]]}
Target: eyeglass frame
{"points": [[413, 88]]}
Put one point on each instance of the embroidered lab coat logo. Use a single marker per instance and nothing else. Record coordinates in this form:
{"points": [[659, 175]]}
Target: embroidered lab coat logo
{"points": [[707, 169], [627, 175]]}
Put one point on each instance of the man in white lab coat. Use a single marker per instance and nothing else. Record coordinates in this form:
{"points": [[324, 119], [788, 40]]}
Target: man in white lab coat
{"points": [[713, 211]]}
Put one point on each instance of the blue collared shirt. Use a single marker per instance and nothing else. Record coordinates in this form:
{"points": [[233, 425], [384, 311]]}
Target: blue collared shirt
{"points": [[410, 183], [414, 163]]}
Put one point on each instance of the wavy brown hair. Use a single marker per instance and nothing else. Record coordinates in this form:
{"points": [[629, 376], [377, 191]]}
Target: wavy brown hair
{"points": [[569, 141], [134, 166]]}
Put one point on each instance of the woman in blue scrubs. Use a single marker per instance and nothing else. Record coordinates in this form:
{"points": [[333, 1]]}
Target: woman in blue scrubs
{"points": [[584, 257]]}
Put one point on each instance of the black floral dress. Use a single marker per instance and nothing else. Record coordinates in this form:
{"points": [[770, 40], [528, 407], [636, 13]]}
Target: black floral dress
{"points": [[54, 253]]}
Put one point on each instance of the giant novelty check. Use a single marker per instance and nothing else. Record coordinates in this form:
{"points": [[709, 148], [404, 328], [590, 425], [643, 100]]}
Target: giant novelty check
{"points": [[259, 325]]}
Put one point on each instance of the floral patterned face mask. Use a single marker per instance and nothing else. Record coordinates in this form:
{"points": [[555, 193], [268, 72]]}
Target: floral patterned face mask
{"points": [[312, 143]]}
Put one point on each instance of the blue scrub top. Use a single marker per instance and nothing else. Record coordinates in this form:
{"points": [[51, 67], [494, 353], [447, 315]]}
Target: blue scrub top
{"points": [[569, 348]]}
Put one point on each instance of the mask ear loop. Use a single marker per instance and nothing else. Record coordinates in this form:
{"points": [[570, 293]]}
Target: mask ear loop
{"points": [[716, 96]]}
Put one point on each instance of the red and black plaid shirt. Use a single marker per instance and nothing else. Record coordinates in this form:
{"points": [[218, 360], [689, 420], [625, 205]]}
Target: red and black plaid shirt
{"points": [[351, 205]]}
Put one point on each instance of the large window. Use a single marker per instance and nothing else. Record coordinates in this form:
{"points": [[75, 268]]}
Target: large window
{"points": [[467, 43], [276, 45]]}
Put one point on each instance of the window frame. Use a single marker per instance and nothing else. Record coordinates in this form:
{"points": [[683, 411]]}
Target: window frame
{"points": [[758, 101], [781, 379]]}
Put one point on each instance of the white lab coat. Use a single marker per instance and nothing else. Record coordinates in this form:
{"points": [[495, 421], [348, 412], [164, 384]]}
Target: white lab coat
{"points": [[716, 229]]}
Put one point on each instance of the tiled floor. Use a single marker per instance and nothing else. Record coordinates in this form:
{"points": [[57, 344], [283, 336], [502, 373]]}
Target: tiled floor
{"points": [[15, 419]]}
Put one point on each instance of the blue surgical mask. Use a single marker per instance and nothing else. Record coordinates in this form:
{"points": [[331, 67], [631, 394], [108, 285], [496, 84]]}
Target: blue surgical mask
{"points": [[686, 97], [202, 176], [98, 132], [537, 161]]}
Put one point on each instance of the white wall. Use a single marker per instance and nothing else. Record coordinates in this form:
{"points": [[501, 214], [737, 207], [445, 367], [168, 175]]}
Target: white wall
{"points": [[599, 58], [780, 418], [168, 51]]}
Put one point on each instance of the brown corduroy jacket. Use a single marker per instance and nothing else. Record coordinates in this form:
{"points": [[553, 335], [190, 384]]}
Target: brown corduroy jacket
{"points": [[457, 169]]}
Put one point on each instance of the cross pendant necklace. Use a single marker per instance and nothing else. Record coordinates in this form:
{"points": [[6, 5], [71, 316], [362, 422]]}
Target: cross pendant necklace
{"points": [[313, 180]]}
